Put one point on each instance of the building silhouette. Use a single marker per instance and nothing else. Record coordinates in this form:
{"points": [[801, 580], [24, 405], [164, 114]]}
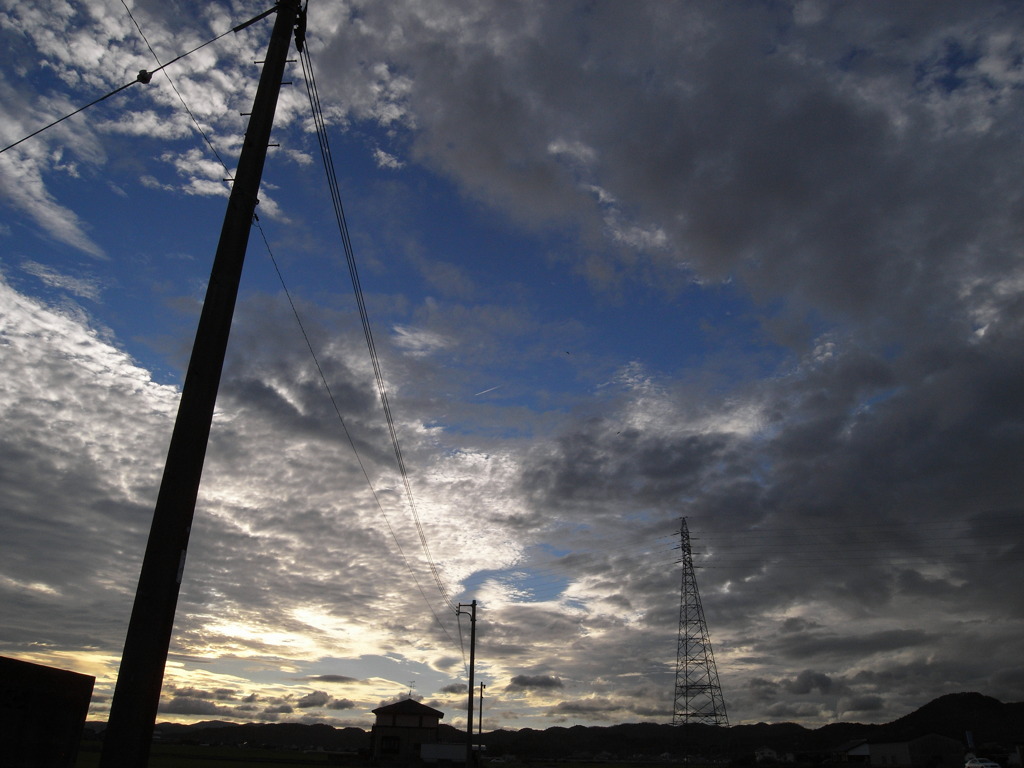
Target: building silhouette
{"points": [[401, 729]]}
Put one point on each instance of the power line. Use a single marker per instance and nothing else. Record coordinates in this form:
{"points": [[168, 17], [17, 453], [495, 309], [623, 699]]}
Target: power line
{"points": [[302, 329], [776, 548], [174, 88], [339, 213], [344, 427], [144, 76], [698, 693], [305, 336]]}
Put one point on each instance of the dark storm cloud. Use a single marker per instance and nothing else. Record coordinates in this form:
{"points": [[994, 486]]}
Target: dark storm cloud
{"points": [[865, 704], [762, 689], [455, 688], [599, 463], [313, 699], [340, 704], [278, 709], [798, 710], [721, 135], [658, 712], [221, 694], [797, 625], [811, 646], [332, 679], [447, 663], [184, 705], [808, 681], [524, 682], [585, 707]]}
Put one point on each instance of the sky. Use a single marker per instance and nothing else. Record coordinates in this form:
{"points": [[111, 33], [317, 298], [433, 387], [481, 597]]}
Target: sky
{"points": [[756, 264]]}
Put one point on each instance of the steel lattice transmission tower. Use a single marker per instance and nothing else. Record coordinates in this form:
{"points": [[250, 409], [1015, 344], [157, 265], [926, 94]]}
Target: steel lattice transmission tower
{"points": [[698, 697]]}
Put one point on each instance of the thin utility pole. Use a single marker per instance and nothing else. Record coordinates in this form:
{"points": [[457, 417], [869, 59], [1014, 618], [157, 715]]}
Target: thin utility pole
{"points": [[472, 691], [129, 733], [480, 717]]}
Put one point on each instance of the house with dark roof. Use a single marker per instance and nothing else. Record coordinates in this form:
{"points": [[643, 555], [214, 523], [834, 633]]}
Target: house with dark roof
{"points": [[401, 729]]}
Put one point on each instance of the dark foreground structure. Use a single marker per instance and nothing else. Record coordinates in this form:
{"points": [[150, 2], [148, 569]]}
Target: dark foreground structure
{"points": [[400, 731], [42, 712]]}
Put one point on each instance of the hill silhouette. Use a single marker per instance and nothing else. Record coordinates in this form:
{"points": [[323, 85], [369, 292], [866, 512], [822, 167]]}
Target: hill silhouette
{"points": [[952, 715], [991, 722]]}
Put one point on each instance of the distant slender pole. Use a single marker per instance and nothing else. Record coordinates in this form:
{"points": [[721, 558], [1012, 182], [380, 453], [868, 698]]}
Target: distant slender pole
{"points": [[129, 733], [472, 691], [480, 716]]}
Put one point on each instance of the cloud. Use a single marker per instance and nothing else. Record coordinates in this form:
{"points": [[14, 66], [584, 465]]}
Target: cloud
{"points": [[313, 699], [84, 288], [877, 642], [781, 243], [333, 679], [863, 704], [585, 707], [387, 160], [221, 694], [185, 705], [25, 190], [418, 342], [522, 682], [807, 681]]}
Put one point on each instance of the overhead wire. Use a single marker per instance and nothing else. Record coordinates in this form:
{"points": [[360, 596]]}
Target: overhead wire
{"points": [[775, 548], [144, 76], [295, 313], [320, 125], [174, 88], [339, 212], [344, 427]]}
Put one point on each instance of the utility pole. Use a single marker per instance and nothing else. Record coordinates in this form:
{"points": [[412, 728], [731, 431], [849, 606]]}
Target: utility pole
{"points": [[472, 664], [129, 733], [480, 717]]}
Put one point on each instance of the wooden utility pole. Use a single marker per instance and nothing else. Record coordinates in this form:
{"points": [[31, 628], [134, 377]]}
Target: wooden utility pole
{"points": [[472, 692], [480, 717], [126, 741]]}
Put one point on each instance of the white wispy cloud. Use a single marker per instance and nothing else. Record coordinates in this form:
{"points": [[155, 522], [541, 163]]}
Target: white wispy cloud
{"points": [[86, 288]]}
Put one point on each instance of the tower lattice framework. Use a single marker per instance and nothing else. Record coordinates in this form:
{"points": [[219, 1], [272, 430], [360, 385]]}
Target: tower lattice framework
{"points": [[698, 694]]}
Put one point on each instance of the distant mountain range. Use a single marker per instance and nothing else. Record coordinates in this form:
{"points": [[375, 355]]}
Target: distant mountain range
{"points": [[995, 727]]}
